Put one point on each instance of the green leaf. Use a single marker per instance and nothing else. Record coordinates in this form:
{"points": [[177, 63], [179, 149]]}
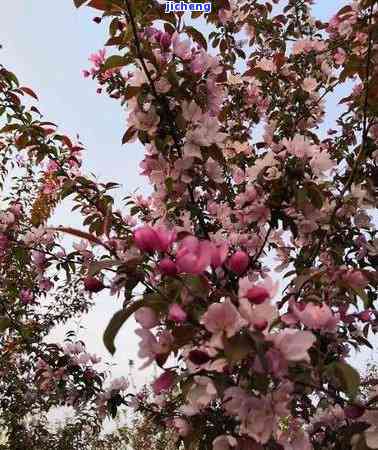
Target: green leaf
{"points": [[196, 36], [363, 295], [5, 323], [114, 61], [237, 348], [116, 323], [97, 266], [348, 377]]}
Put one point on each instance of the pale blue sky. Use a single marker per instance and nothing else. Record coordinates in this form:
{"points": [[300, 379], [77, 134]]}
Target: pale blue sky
{"points": [[47, 43]]}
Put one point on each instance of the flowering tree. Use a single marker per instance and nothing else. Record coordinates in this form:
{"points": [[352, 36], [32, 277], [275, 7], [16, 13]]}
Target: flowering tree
{"points": [[242, 171], [40, 287]]}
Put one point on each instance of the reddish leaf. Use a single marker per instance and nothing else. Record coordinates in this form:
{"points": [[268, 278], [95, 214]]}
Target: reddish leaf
{"points": [[78, 233], [79, 3], [29, 92], [102, 5], [130, 133]]}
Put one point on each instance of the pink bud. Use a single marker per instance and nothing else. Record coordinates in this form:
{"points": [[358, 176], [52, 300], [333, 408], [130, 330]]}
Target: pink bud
{"points": [[167, 267], [260, 325], [238, 262], [145, 239], [164, 382], [257, 295], [176, 313], [85, 73], [365, 316], [92, 284], [199, 357]]}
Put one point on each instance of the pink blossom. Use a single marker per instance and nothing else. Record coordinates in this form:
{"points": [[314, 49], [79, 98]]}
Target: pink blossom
{"points": [[182, 426], [39, 258], [309, 85], [146, 317], [317, 317], [98, 58], [295, 438], [224, 442], [267, 65], [321, 162], [294, 344], [259, 317], [119, 384], [193, 255], [299, 146], [165, 40], [339, 57], [45, 284], [176, 313], [219, 253], [201, 393], [355, 278], [149, 239], [223, 318], [181, 49], [148, 346]]}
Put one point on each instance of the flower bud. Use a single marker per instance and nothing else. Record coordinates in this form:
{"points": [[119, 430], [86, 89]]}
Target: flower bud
{"points": [[238, 262], [145, 239], [163, 383], [92, 284], [257, 295], [198, 357], [167, 267]]}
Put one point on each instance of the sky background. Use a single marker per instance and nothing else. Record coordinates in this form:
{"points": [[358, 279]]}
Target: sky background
{"points": [[47, 44]]}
